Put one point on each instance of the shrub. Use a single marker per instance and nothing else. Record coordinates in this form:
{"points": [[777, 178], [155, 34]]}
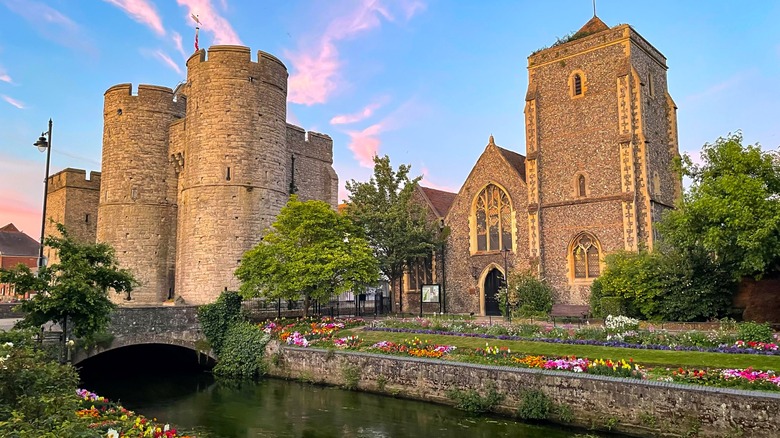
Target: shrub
{"points": [[471, 401], [242, 351], [216, 318], [612, 306], [532, 295], [351, 376], [535, 405], [752, 331]]}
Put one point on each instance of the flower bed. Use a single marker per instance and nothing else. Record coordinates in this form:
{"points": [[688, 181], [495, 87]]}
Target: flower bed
{"points": [[731, 349], [303, 332], [414, 347], [111, 420]]}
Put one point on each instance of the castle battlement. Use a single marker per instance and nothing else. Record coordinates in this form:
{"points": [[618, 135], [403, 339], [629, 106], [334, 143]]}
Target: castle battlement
{"points": [[310, 144], [74, 178], [148, 96]]}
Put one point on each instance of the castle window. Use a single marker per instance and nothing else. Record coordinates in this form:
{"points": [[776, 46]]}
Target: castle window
{"points": [[86, 218], [581, 186], [577, 85], [493, 219], [227, 174], [650, 90], [584, 257]]}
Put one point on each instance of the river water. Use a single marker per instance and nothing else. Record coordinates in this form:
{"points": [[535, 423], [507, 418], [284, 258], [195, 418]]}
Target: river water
{"points": [[190, 399]]}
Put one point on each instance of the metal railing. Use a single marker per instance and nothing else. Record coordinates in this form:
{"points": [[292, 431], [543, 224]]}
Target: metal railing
{"points": [[363, 306]]}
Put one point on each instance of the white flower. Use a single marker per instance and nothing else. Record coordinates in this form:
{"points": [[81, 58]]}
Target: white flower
{"points": [[112, 434], [8, 344], [167, 428]]}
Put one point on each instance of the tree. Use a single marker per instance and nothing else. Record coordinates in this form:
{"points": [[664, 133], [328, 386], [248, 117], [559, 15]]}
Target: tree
{"points": [[311, 252], [75, 289], [732, 209], [395, 225]]}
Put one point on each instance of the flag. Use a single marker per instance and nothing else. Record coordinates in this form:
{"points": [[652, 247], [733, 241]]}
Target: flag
{"points": [[196, 38]]}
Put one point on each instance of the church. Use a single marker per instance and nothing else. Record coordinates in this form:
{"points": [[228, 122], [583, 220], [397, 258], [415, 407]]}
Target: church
{"points": [[601, 141]]}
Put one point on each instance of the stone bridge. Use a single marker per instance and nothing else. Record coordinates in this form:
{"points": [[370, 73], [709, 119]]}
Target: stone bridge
{"points": [[167, 325]]}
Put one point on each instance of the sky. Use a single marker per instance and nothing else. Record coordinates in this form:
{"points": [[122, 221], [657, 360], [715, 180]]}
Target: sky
{"points": [[423, 81]]}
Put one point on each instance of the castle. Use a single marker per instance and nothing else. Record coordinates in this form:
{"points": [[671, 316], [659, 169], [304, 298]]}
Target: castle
{"points": [[601, 139], [192, 177]]}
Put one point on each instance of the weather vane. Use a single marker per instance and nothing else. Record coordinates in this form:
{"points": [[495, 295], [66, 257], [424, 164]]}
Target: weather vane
{"points": [[197, 28]]}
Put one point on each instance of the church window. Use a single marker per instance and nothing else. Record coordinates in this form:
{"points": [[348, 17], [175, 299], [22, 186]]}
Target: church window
{"points": [[581, 192], [578, 84], [493, 214], [420, 273], [585, 257], [650, 90]]}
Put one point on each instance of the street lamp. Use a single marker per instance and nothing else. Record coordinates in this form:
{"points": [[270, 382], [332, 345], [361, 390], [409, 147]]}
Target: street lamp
{"points": [[505, 252], [44, 144]]}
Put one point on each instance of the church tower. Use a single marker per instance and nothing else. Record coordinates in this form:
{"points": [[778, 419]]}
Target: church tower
{"points": [[601, 138]]}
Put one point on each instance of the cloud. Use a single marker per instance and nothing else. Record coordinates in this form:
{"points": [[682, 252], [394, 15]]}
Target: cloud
{"points": [[412, 7], [4, 77], [363, 114], [51, 23], [177, 41], [365, 144], [21, 197], [317, 67], [13, 101], [722, 86], [141, 11], [426, 181], [211, 21], [162, 56]]}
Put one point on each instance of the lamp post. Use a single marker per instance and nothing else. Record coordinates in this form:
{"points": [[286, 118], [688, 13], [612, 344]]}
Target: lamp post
{"points": [[505, 252], [44, 144]]}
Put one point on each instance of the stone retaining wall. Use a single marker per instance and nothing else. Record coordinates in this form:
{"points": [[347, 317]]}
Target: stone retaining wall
{"points": [[7, 311], [638, 408]]}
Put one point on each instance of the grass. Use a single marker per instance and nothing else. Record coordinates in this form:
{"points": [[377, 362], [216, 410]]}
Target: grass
{"points": [[650, 358]]}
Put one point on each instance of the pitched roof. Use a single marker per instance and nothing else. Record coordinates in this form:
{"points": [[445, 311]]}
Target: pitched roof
{"points": [[440, 200], [14, 242], [594, 25], [514, 159]]}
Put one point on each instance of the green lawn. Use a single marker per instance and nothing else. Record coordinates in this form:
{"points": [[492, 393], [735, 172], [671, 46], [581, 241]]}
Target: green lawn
{"points": [[650, 358]]}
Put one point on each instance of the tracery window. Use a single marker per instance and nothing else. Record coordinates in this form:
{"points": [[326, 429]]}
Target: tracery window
{"points": [[585, 257], [493, 219]]}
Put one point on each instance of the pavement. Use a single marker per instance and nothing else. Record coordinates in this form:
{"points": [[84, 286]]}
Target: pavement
{"points": [[7, 323]]}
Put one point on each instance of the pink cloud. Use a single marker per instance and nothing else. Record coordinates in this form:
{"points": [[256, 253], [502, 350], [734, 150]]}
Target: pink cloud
{"points": [[177, 41], [317, 67], [412, 7], [162, 56], [211, 21], [365, 144], [4, 77], [13, 101], [141, 11], [363, 114], [426, 181], [52, 24], [21, 199]]}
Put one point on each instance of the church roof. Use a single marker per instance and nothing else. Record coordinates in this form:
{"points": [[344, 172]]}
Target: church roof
{"points": [[14, 242], [440, 200], [594, 25], [514, 159]]}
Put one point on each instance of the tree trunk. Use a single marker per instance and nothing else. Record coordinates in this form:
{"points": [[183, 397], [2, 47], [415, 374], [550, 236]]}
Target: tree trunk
{"points": [[306, 304]]}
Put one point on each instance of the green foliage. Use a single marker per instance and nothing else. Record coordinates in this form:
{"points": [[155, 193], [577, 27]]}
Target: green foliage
{"points": [[37, 395], [535, 405], [241, 355], [76, 288], [217, 318], [351, 376], [99, 339], [564, 413], [530, 293], [732, 209], [312, 252], [394, 224], [752, 331], [612, 306], [471, 401], [663, 286]]}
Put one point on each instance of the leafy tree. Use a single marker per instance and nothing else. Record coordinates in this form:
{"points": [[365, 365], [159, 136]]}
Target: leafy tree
{"points": [[75, 289], [311, 252], [732, 209], [395, 225]]}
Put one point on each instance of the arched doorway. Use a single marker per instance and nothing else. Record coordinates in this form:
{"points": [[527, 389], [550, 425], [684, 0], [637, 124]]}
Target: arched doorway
{"points": [[493, 282]]}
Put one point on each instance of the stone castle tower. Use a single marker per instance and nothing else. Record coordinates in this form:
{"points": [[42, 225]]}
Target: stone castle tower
{"points": [[192, 177], [601, 139]]}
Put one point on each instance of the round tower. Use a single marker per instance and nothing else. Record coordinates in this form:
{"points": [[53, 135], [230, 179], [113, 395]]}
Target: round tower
{"points": [[233, 181], [137, 207]]}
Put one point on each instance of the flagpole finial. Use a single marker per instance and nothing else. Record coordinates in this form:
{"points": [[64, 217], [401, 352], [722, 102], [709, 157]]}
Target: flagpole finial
{"points": [[594, 8]]}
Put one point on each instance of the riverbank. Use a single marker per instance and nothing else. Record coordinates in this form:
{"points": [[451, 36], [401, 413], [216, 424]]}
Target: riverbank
{"points": [[632, 407]]}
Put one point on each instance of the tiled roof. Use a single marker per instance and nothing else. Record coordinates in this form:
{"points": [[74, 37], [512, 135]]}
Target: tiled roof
{"points": [[14, 242], [594, 25], [515, 160], [439, 199]]}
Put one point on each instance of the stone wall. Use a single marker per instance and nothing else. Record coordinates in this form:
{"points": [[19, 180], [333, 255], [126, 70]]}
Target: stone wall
{"points": [[638, 408], [72, 200], [7, 311], [314, 174]]}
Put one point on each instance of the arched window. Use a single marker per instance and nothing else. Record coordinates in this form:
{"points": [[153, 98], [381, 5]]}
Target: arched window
{"points": [[585, 257], [577, 84], [493, 219], [581, 186]]}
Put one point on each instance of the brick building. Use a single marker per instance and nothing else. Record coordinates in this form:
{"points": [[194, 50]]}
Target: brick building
{"points": [[16, 248], [601, 139], [192, 177]]}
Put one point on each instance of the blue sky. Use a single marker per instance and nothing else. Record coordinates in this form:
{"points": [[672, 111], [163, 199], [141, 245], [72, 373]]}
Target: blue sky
{"points": [[424, 81]]}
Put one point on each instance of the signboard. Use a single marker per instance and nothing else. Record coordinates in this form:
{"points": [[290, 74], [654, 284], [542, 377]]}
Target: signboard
{"points": [[430, 293]]}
